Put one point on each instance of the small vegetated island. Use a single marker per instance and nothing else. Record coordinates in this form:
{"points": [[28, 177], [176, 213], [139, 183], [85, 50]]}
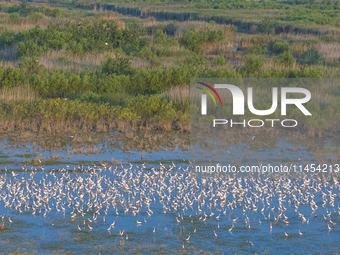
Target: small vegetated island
{"points": [[127, 64]]}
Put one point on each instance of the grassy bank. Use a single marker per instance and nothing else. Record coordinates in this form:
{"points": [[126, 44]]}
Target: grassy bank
{"points": [[142, 112]]}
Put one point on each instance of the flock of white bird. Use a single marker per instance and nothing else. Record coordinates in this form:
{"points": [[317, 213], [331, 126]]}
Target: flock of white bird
{"points": [[88, 195]]}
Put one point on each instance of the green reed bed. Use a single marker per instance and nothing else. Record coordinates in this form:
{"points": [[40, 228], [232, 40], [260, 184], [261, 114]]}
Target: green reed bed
{"points": [[50, 114]]}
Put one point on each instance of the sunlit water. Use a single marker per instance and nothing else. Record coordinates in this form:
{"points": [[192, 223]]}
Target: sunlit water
{"points": [[92, 179]]}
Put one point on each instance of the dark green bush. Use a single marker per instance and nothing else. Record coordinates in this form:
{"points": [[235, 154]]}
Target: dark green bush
{"points": [[310, 57], [286, 59], [12, 77], [7, 38], [160, 37], [79, 38], [267, 25], [14, 18], [119, 65], [145, 52], [253, 64], [279, 47], [35, 16], [194, 39], [257, 49], [220, 60]]}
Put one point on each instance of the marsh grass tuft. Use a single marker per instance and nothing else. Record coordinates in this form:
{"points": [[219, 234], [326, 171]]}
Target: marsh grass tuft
{"points": [[179, 95], [22, 92]]}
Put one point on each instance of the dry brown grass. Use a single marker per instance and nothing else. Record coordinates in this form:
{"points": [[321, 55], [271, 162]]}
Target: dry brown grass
{"points": [[198, 25], [271, 64], [51, 60], [234, 64], [178, 94], [297, 48], [109, 15], [22, 92], [181, 27], [139, 63], [218, 47], [150, 22], [6, 64], [300, 37], [106, 15], [329, 51], [24, 24]]}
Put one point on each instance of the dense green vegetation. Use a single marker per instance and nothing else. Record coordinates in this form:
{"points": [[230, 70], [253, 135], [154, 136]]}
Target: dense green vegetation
{"points": [[242, 4], [194, 39], [78, 38], [138, 108]]}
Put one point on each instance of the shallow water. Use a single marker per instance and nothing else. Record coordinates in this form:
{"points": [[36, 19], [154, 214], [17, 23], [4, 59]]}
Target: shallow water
{"points": [[97, 167]]}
